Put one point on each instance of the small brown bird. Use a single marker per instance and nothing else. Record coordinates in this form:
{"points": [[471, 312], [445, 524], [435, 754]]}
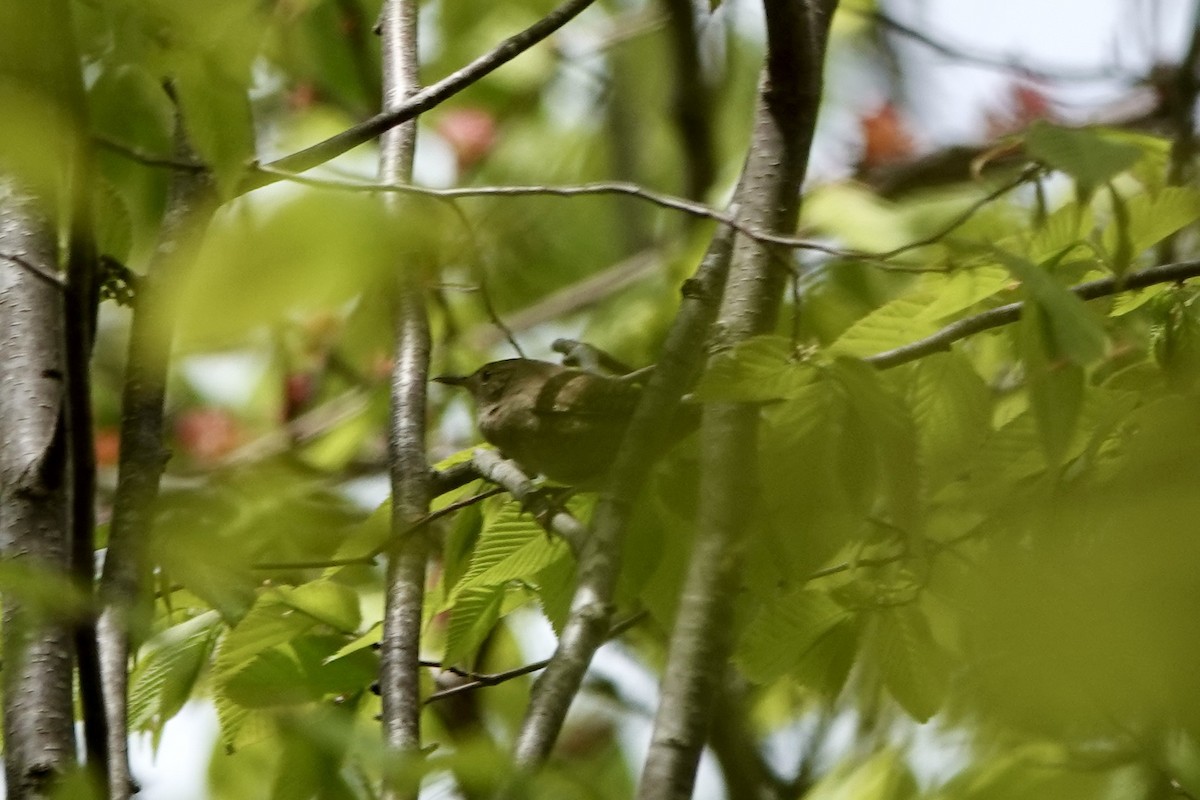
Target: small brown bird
{"points": [[556, 421]]}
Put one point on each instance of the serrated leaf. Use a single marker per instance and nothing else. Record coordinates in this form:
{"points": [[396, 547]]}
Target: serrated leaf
{"points": [[1055, 388], [1074, 332], [952, 411], [760, 369], [512, 546], [1177, 346], [167, 671], [472, 616], [1130, 301], [325, 601], [920, 311], [963, 288], [268, 624], [787, 631], [1060, 234], [1087, 155], [555, 588], [897, 322], [913, 666], [1152, 218], [887, 438]]}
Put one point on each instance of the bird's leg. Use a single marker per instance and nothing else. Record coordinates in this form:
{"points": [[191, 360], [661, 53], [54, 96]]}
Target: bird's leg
{"points": [[546, 501]]}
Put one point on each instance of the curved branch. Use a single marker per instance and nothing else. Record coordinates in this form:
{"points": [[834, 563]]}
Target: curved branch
{"points": [[423, 100], [506, 474], [768, 195], [1007, 314], [191, 200], [662, 200]]}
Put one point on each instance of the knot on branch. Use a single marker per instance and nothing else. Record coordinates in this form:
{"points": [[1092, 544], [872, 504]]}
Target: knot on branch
{"points": [[694, 289]]}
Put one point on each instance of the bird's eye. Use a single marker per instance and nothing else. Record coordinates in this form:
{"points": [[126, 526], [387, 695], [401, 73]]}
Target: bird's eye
{"points": [[485, 376]]}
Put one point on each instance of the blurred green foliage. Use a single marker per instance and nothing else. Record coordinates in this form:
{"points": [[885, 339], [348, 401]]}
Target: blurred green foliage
{"points": [[996, 540]]}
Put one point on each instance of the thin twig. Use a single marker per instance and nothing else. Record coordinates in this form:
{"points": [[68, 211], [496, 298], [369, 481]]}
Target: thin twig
{"points": [[883, 561], [54, 280], [1007, 314], [485, 297], [956, 223], [147, 159], [479, 680], [661, 199]]}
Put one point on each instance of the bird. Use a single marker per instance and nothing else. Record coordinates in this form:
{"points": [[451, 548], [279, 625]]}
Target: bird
{"points": [[560, 422]]}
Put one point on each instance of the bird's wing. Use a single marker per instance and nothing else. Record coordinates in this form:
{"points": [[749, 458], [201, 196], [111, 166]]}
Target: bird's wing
{"points": [[584, 395]]}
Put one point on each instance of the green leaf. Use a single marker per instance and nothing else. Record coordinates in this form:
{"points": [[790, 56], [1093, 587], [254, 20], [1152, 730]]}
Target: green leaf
{"points": [[1182, 756], [1087, 155], [511, 546], [167, 671], [326, 601], [898, 322], [952, 410], [789, 631], [1131, 301], [914, 667], [473, 614], [883, 776], [881, 440], [268, 624], [1154, 217], [1122, 252], [1042, 772], [1055, 387], [759, 369], [216, 114], [272, 678], [920, 311], [556, 588], [303, 252], [1074, 332], [372, 637], [1059, 235], [1177, 344]]}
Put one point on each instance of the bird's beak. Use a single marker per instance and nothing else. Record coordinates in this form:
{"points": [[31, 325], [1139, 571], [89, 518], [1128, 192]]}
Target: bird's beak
{"points": [[452, 380]]}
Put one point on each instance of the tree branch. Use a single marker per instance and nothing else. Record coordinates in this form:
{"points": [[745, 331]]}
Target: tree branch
{"points": [[1007, 314], [423, 100], [191, 201], [768, 198], [506, 474], [404, 589], [479, 681], [38, 713], [1182, 110], [599, 559], [662, 200], [691, 105]]}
